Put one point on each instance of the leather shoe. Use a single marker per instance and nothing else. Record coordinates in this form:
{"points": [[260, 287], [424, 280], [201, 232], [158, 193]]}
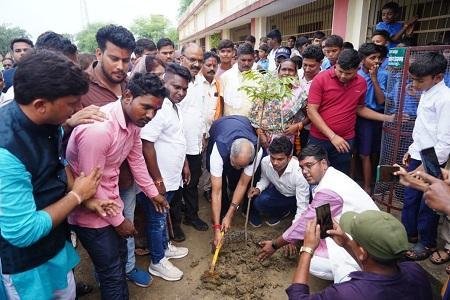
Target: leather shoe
{"points": [[198, 224], [178, 234]]}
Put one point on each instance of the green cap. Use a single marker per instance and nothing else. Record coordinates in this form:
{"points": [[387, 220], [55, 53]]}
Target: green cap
{"points": [[380, 233]]}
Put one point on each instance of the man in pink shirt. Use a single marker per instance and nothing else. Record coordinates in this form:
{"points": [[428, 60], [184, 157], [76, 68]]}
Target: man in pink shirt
{"points": [[335, 98], [107, 145]]}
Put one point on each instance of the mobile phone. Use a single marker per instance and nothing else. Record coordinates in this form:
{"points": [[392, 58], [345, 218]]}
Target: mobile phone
{"points": [[430, 162], [323, 214], [385, 173]]}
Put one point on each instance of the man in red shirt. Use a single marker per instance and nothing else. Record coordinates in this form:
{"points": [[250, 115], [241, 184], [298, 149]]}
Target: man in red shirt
{"points": [[335, 98]]}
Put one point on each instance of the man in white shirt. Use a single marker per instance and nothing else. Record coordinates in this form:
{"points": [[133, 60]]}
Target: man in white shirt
{"points": [[282, 188], [212, 93], [236, 102], [164, 147], [194, 127], [329, 186], [431, 129], [274, 42]]}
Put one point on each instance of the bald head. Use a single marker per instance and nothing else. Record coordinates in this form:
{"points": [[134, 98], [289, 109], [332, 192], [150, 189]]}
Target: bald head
{"points": [[242, 153], [192, 58]]}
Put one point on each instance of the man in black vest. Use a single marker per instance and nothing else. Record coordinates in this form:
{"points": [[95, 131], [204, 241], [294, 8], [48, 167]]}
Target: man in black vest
{"points": [[36, 191], [230, 155]]}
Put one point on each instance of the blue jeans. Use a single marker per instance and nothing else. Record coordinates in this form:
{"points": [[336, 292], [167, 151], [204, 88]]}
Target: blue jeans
{"points": [[274, 204], [128, 197], [417, 217], [108, 252], [339, 161], [157, 233]]}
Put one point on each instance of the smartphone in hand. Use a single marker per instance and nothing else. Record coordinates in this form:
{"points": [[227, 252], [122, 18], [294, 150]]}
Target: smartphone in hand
{"points": [[323, 215], [385, 173], [430, 162]]}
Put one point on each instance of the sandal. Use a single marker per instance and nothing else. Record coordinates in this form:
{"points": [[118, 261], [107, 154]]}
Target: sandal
{"points": [[141, 251], [440, 257], [419, 252]]}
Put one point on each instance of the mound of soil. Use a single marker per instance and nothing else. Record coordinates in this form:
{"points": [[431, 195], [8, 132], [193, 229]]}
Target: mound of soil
{"points": [[239, 274]]}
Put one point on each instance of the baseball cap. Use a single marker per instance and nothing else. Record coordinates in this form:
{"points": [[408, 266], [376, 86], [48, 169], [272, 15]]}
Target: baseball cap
{"points": [[284, 52], [380, 233]]}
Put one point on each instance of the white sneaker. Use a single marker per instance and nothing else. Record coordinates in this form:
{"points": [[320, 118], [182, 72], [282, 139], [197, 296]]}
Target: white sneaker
{"points": [[166, 270], [175, 252]]}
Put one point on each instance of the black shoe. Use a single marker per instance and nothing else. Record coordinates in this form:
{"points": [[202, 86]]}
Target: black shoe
{"points": [[83, 289], [178, 234], [207, 195], [198, 224]]}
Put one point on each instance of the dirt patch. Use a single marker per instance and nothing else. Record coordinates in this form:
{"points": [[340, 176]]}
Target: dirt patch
{"points": [[239, 275]]}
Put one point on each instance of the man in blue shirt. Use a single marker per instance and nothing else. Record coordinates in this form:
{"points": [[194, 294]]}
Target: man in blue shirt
{"points": [[378, 242], [19, 47], [36, 189], [368, 132]]}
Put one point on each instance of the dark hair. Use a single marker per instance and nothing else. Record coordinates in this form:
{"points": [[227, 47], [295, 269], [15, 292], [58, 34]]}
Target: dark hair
{"points": [[334, 41], [118, 35], [429, 63], [383, 33], [213, 50], [263, 39], [317, 151], [281, 145], [210, 54], [392, 6], [318, 35], [86, 59], [56, 42], [164, 42], [225, 44], [144, 44], [292, 37], [297, 60], [21, 40], [152, 62], [8, 58], [367, 49], [244, 49], [251, 39], [264, 47], [49, 75], [275, 35], [313, 52], [348, 59], [301, 41], [347, 45], [176, 69], [146, 84]]}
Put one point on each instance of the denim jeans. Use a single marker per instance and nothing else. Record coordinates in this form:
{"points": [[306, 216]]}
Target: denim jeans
{"points": [[128, 197], [157, 233], [417, 217], [273, 204], [108, 252], [339, 161]]}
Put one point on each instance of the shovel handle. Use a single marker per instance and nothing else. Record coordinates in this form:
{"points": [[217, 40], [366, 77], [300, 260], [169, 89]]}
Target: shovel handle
{"points": [[216, 253]]}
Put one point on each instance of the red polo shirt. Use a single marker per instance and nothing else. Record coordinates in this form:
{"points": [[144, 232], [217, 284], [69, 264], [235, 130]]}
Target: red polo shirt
{"points": [[337, 103]]}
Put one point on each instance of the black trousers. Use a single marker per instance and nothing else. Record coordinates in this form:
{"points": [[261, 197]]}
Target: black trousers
{"points": [[190, 192], [108, 252]]}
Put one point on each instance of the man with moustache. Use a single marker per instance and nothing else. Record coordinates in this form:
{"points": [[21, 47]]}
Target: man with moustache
{"points": [[107, 84], [166, 50], [107, 145], [192, 110]]}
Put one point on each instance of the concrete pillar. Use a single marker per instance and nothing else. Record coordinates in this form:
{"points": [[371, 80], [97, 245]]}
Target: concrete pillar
{"points": [[259, 29], [357, 21], [340, 13], [207, 43], [226, 34]]}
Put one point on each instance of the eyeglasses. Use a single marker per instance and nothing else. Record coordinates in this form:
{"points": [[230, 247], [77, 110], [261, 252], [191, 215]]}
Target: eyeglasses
{"points": [[308, 166]]}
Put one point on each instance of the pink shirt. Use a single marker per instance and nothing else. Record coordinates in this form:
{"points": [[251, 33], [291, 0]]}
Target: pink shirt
{"points": [[107, 144], [297, 230]]}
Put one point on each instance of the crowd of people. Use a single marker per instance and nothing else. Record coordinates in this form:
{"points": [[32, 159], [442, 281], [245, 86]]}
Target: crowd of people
{"points": [[85, 139]]}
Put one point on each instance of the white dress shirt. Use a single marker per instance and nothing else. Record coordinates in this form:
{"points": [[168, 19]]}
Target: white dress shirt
{"points": [[272, 62], [236, 102], [216, 163], [192, 112], [165, 130], [432, 126], [210, 98], [290, 183]]}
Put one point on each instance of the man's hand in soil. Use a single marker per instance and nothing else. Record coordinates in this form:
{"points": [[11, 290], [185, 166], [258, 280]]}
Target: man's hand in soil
{"points": [[290, 250], [102, 207], [126, 229], [160, 203], [266, 250]]}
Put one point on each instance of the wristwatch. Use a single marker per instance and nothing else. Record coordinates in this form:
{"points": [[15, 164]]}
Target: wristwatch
{"points": [[307, 250]]}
